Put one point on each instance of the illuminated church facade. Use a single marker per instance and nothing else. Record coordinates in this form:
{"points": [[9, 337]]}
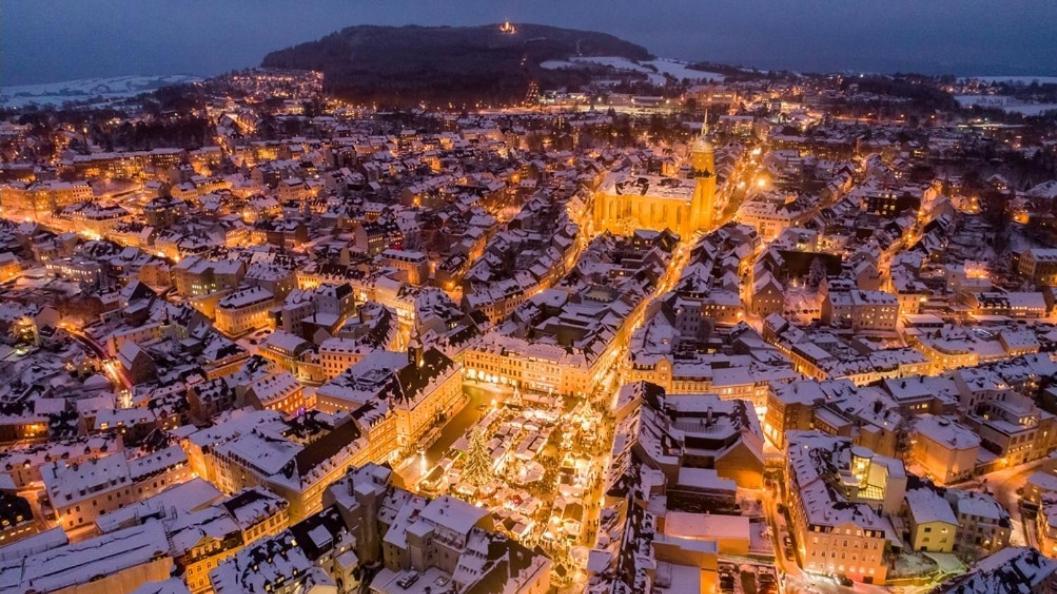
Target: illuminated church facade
{"points": [[627, 200]]}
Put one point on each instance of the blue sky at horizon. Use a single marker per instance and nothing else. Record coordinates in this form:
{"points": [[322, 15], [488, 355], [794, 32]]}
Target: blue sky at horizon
{"points": [[60, 40]]}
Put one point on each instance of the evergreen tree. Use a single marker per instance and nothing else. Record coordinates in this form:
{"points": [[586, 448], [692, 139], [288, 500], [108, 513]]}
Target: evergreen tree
{"points": [[478, 468], [816, 273], [516, 398]]}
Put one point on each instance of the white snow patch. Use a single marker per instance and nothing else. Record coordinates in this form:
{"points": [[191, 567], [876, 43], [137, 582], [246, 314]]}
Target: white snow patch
{"points": [[1017, 80], [88, 89], [1005, 103], [680, 70], [653, 69]]}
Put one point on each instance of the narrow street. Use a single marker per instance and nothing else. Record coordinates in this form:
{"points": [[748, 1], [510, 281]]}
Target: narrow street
{"points": [[1006, 485]]}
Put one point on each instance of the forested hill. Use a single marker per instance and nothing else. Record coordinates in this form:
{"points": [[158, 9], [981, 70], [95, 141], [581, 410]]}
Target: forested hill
{"points": [[405, 65]]}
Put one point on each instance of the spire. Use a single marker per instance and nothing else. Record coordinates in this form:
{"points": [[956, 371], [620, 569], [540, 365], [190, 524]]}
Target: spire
{"points": [[701, 143], [702, 164]]}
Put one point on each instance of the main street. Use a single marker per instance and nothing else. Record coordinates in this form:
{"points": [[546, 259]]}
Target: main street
{"points": [[606, 390]]}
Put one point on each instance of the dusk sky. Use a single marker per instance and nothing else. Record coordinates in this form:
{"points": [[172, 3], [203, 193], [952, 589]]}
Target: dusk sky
{"points": [[59, 40]]}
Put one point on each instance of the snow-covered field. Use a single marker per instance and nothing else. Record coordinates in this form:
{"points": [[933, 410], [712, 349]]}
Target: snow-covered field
{"points": [[653, 69], [1018, 80], [680, 70], [1007, 104], [89, 89]]}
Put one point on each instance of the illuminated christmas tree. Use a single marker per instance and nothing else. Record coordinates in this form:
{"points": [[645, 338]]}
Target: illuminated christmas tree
{"points": [[478, 468], [532, 95]]}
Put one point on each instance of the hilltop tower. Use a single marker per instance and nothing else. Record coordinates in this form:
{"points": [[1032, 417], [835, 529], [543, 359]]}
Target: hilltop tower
{"points": [[703, 166]]}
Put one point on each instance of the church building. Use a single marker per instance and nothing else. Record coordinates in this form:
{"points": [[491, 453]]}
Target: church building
{"points": [[627, 200]]}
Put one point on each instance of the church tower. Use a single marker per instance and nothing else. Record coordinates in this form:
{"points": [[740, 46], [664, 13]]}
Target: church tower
{"points": [[703, 165]]}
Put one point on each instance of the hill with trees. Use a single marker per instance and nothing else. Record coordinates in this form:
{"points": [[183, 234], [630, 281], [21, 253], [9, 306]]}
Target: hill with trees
{"points": [[460, 65]]}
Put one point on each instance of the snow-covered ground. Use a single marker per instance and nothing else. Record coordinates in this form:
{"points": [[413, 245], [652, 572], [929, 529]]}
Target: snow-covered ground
{"points": [[1005, 103], [680, 70], [653, 69], [88, 89], [1018, 80]]}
